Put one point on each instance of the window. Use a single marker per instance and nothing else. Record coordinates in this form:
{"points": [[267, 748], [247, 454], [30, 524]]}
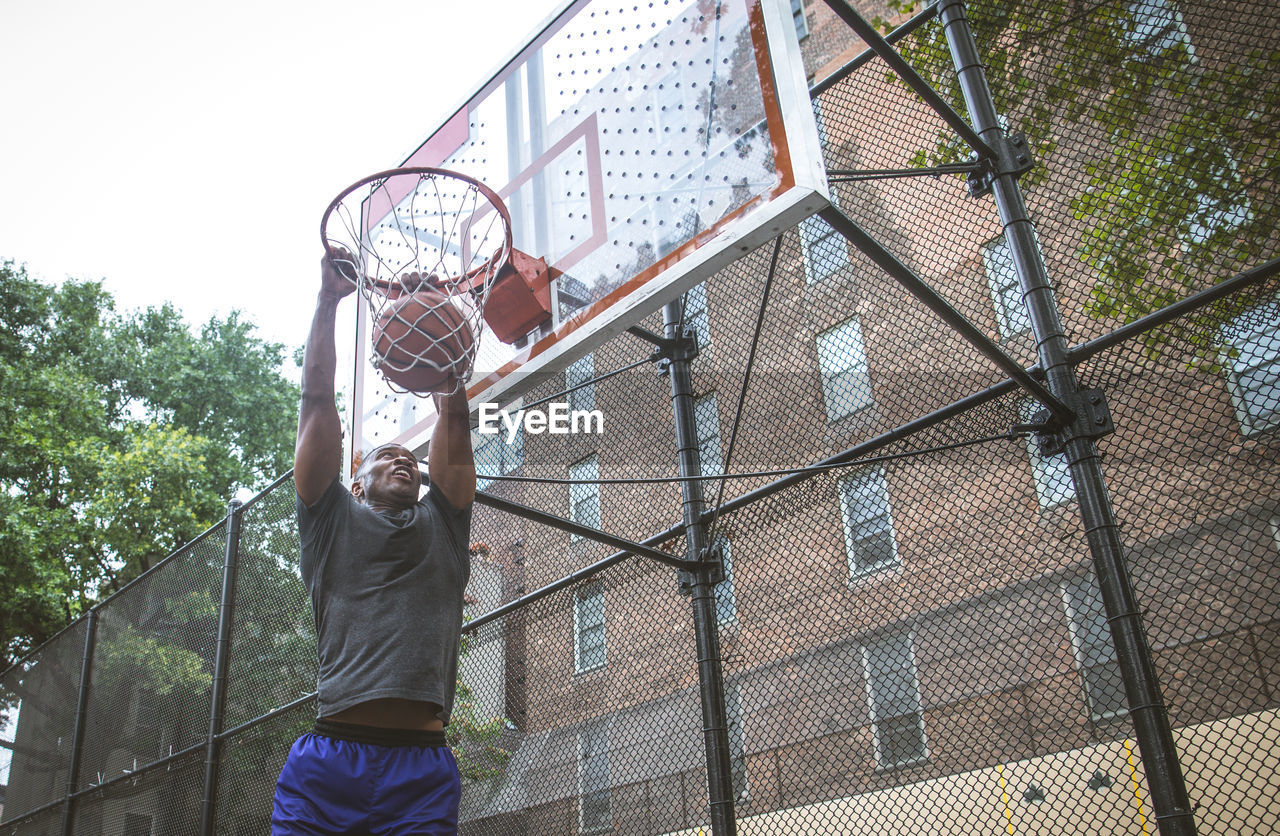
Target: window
{"points": [[1094, 652], [1206, 170], [584, 499], [496, 456], [706, 419], [1223, 213], [1011, 314], [726, 599], [842, 359], [825, 251], [1252, 360], [1156, 27], [1052, 474], [595, 813], [1222, 205], [1214, 216], [695, 313], [895, 701], [797, 13], [577, 374], [868, 522], [588, 628], [148, 730]]}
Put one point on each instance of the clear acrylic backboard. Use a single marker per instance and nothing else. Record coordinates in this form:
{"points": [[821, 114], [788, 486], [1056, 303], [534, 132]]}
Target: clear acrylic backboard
{"points": [[639, 147]]}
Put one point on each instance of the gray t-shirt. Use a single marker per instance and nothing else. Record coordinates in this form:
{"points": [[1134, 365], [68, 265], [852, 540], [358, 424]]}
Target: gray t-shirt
{"points": [[386, 592]]}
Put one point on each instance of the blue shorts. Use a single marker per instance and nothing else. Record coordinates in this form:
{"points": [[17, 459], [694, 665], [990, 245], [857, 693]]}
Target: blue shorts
{"points": [[345, 779]]}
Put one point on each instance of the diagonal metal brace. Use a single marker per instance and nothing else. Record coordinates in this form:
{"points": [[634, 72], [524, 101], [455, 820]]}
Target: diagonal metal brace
{"points": [[913, 79], [920, 289], [586, 532]]}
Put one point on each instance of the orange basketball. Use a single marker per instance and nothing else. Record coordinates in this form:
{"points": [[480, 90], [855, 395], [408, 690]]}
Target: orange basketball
{"points": [[422, 342]]}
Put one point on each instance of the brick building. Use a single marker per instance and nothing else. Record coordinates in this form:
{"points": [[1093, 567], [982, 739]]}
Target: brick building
{"points": [[906, 636]]}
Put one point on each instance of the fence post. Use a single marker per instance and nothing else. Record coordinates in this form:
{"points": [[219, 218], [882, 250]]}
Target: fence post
{"points": [[221, 661], [82, 705], [715, 725], [1133, 652]]}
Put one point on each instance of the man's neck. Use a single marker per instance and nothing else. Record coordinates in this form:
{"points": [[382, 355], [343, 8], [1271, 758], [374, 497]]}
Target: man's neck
{"points": [[385, 508]]}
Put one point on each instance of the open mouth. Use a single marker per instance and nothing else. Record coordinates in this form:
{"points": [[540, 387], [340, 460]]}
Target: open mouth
{"points": [[402, 473]]}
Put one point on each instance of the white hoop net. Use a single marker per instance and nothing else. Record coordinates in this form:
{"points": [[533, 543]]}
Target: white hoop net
{"points": [[412, 231]]}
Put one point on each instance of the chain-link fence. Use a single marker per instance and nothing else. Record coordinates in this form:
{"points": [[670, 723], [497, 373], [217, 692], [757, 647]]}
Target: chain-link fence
{"points": [[914, 639]]}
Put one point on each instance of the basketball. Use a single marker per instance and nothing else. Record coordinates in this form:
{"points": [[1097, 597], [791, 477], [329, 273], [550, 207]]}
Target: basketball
{"points": [[422, 342]]}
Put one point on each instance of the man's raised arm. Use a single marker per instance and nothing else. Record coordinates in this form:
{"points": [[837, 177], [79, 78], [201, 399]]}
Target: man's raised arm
{"points": [[450, 463], [317, 456]]}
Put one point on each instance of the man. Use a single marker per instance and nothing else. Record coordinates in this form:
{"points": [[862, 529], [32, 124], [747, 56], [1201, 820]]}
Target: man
{"points": [[386, 572]]}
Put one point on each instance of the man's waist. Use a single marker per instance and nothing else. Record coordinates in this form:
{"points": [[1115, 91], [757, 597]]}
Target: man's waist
{"points": [[378, 735], [392, 713]]}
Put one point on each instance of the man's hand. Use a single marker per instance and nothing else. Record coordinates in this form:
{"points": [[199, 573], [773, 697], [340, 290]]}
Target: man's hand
{"points": [[415, 281], [338, 273], [317, 455]]}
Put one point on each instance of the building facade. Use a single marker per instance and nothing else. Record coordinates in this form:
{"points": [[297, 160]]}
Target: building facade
{"points": [[916, 645]]}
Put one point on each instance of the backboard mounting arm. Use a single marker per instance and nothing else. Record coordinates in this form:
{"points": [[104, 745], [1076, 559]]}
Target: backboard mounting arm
{"points": [[584, 531], [863, 29], [920, 289]]}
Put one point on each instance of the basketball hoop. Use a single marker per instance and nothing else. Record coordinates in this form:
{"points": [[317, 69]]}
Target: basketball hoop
{"points": [[428, 245]]}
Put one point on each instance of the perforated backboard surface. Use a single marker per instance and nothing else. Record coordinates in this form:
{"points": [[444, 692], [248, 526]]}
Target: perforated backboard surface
{"points": [[640, 146]]}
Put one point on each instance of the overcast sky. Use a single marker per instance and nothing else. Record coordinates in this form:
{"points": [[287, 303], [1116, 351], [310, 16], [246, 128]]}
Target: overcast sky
{"points": [[186, 151]]}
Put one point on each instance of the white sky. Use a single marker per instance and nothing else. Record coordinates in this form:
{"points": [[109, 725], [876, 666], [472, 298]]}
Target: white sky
{"points": [[186, 151]]}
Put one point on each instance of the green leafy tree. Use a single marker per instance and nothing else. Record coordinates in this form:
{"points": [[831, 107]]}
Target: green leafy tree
{"points": [[1180, 181], [124, 435]]}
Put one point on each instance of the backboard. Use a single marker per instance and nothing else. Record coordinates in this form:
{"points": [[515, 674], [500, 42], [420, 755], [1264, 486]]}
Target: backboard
{"points": [[640, 147]]}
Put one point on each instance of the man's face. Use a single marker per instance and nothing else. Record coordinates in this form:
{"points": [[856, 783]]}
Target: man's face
{"points": [[393, 478]]}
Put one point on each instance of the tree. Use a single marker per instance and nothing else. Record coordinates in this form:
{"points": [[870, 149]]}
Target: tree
{"points": [[124, 437], [1182, 186]]}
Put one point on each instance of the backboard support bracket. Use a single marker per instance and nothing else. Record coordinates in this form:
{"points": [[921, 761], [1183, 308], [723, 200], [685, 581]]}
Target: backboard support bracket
{"points": [[1092, 420], [1013, 157], [683, 348], [713, 557]]}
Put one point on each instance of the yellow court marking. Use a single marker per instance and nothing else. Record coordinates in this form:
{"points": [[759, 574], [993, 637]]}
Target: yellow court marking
{"points": [[1004, 797], [1137, 790]]}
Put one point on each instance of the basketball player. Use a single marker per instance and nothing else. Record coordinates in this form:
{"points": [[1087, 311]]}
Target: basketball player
{"points": [[386, 572]]}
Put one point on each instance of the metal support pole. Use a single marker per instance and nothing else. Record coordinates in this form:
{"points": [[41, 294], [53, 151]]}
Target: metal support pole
{"points": [[706, 629], [1133, 652], [82, 705], [221, 662]]}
